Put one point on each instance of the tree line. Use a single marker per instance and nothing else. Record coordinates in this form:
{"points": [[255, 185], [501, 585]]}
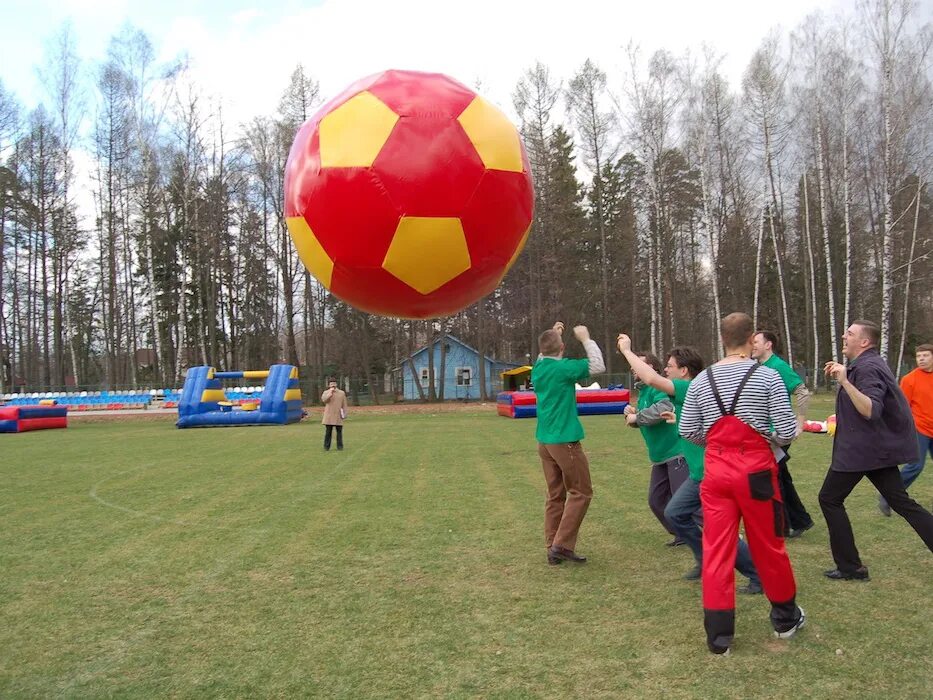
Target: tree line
{"points": [[665, 197]]}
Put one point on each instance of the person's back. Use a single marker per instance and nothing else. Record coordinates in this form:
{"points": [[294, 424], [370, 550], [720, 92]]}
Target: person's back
{"points": [[559, 432], [731, 408]]}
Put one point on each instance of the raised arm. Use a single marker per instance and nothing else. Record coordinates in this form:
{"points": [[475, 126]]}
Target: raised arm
{"points": [[867, 403], [593, 354], [644, 371]]}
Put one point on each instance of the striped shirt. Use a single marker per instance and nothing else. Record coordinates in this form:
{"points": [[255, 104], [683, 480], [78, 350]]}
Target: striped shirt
{"points": [[763, 403]]}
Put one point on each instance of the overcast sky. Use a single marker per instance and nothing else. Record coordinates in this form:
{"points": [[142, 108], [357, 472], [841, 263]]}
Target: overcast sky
{"points": [[244, 51]]}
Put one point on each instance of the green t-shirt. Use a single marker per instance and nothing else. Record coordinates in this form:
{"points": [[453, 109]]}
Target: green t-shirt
{"points": [[556, 397], [692, 452], [790, 378], [661, 439]]}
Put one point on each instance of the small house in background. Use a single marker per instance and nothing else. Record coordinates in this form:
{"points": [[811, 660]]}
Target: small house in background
{"points": [[461, 371]]}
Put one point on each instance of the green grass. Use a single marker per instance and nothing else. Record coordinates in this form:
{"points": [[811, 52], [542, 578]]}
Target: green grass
{"points": [[137, 560]]}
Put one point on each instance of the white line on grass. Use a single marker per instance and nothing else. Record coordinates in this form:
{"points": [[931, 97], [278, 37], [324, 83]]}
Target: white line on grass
{"points": [[341, 465]]}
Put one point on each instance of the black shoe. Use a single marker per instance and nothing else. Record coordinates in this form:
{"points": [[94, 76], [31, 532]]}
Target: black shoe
{"points": [[797, 532], [563, 554], [339, 447], [860, 574], [676, 542], [751, 588], [695, 574]]}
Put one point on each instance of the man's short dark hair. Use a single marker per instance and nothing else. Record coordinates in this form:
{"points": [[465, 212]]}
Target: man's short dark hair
{"points": [[736, 329], [870, 330], [332, 380], [769, 336], [549, 343], [926, 347], [688, 357], [652, 360]]}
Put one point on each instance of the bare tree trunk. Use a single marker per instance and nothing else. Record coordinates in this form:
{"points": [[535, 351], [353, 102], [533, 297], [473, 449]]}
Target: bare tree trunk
{"points": [[824, 224], [813, 306], [910, 263], [761, 235]]}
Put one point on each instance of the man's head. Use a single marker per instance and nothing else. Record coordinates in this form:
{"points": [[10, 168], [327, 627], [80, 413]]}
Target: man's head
{"points": [[331, 383], [683, 362], [859, 337], [736, 331], [925, 357], [764, 344], [651, 360], [550, 343]]}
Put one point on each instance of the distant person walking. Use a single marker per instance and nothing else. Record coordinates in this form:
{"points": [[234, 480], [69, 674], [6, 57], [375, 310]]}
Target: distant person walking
{"points": [[335, 411]]}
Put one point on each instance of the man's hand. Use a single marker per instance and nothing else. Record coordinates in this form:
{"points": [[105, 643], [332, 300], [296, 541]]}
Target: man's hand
{"points": [[581, 333], [836, 370], [629, 410], [668, 416], [559, 327], [624, 343], [631, 418]]}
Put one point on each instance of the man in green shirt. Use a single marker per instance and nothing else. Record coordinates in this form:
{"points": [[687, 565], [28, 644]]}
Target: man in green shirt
{"points": [[668, 467], [683, 511], [796, 518], [559, 432]]}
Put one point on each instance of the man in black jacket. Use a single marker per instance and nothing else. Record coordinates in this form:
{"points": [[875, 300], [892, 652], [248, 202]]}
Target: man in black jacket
{"points": [[874, 434]]}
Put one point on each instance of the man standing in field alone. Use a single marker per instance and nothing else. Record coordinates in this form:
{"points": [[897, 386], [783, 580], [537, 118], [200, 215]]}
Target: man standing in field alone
{"points": [[559, 432], [335, 411]]}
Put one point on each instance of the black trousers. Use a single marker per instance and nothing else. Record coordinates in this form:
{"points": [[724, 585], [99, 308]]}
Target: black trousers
{"points": [[328, 430], [795, 513], [836, 488]]}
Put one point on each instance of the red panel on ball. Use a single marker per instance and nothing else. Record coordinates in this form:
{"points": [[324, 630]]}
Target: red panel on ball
{"points": [[351, 215], [429, 166], [499, 213], [410, 93]]}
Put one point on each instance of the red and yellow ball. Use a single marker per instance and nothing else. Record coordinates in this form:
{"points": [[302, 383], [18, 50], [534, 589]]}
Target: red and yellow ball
{"points": [[408, 195]]}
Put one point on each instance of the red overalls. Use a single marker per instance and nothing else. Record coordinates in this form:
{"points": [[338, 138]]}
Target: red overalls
{"points": [[740, 480]]}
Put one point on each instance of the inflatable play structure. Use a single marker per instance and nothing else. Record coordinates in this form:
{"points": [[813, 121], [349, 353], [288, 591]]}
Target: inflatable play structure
{"points": [[590, 402], [203, 402], [20, 419]]}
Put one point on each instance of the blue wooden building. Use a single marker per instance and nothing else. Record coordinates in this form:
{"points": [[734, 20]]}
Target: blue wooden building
{"points": [[461, 379]]}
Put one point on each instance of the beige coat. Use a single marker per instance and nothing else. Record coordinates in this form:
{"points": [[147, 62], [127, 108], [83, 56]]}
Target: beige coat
{"points": [[333, 405]]}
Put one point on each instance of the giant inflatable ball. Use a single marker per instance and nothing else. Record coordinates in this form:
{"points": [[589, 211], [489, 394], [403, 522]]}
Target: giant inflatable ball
{"points": [[408, 195]]}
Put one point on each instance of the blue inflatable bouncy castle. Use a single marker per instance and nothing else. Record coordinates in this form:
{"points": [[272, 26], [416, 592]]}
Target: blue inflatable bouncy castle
{"points": [[203, 402]]}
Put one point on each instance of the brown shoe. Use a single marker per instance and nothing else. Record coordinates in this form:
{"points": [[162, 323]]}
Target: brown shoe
{"points": [[559, 554]]}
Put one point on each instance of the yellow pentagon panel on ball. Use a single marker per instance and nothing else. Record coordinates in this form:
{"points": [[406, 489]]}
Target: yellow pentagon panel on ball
{"points": [[427, 252], [493, 136], [353, 134], [310, 250]]}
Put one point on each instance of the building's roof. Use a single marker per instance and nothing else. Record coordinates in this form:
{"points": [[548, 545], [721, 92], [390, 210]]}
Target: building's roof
{"points": [[465, 345]]}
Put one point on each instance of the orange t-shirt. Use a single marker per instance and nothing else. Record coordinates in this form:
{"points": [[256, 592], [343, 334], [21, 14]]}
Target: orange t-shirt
{"points": [[918, 387]]}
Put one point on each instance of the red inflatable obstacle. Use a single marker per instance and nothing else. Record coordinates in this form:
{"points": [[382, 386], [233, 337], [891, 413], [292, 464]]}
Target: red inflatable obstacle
{"points": [[590, 402], [19, 419]]}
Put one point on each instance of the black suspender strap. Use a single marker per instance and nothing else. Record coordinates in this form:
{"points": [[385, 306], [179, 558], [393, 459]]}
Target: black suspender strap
{"points": [[712, 385], [738, 391]]}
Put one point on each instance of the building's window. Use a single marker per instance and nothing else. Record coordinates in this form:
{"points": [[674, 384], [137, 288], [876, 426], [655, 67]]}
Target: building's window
{"points": [[464, 376], [424, 376]]}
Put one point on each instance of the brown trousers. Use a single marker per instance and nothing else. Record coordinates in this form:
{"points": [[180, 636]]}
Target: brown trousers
{"points": [[569, 491]]}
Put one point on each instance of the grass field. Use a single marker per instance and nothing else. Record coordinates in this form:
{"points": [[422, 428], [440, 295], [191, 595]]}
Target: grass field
{"points": [[137, 560]]}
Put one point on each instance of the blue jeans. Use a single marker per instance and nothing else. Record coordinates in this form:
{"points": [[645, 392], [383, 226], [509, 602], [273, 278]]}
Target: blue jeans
{"points": [[910, 472], [679, 513]]}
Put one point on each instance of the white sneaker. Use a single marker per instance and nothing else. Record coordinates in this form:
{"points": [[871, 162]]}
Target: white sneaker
{"points": [[793, 630]]}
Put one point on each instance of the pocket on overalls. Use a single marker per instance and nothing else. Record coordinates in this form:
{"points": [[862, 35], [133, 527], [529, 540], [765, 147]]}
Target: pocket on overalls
{"points": [[759, 483]]}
